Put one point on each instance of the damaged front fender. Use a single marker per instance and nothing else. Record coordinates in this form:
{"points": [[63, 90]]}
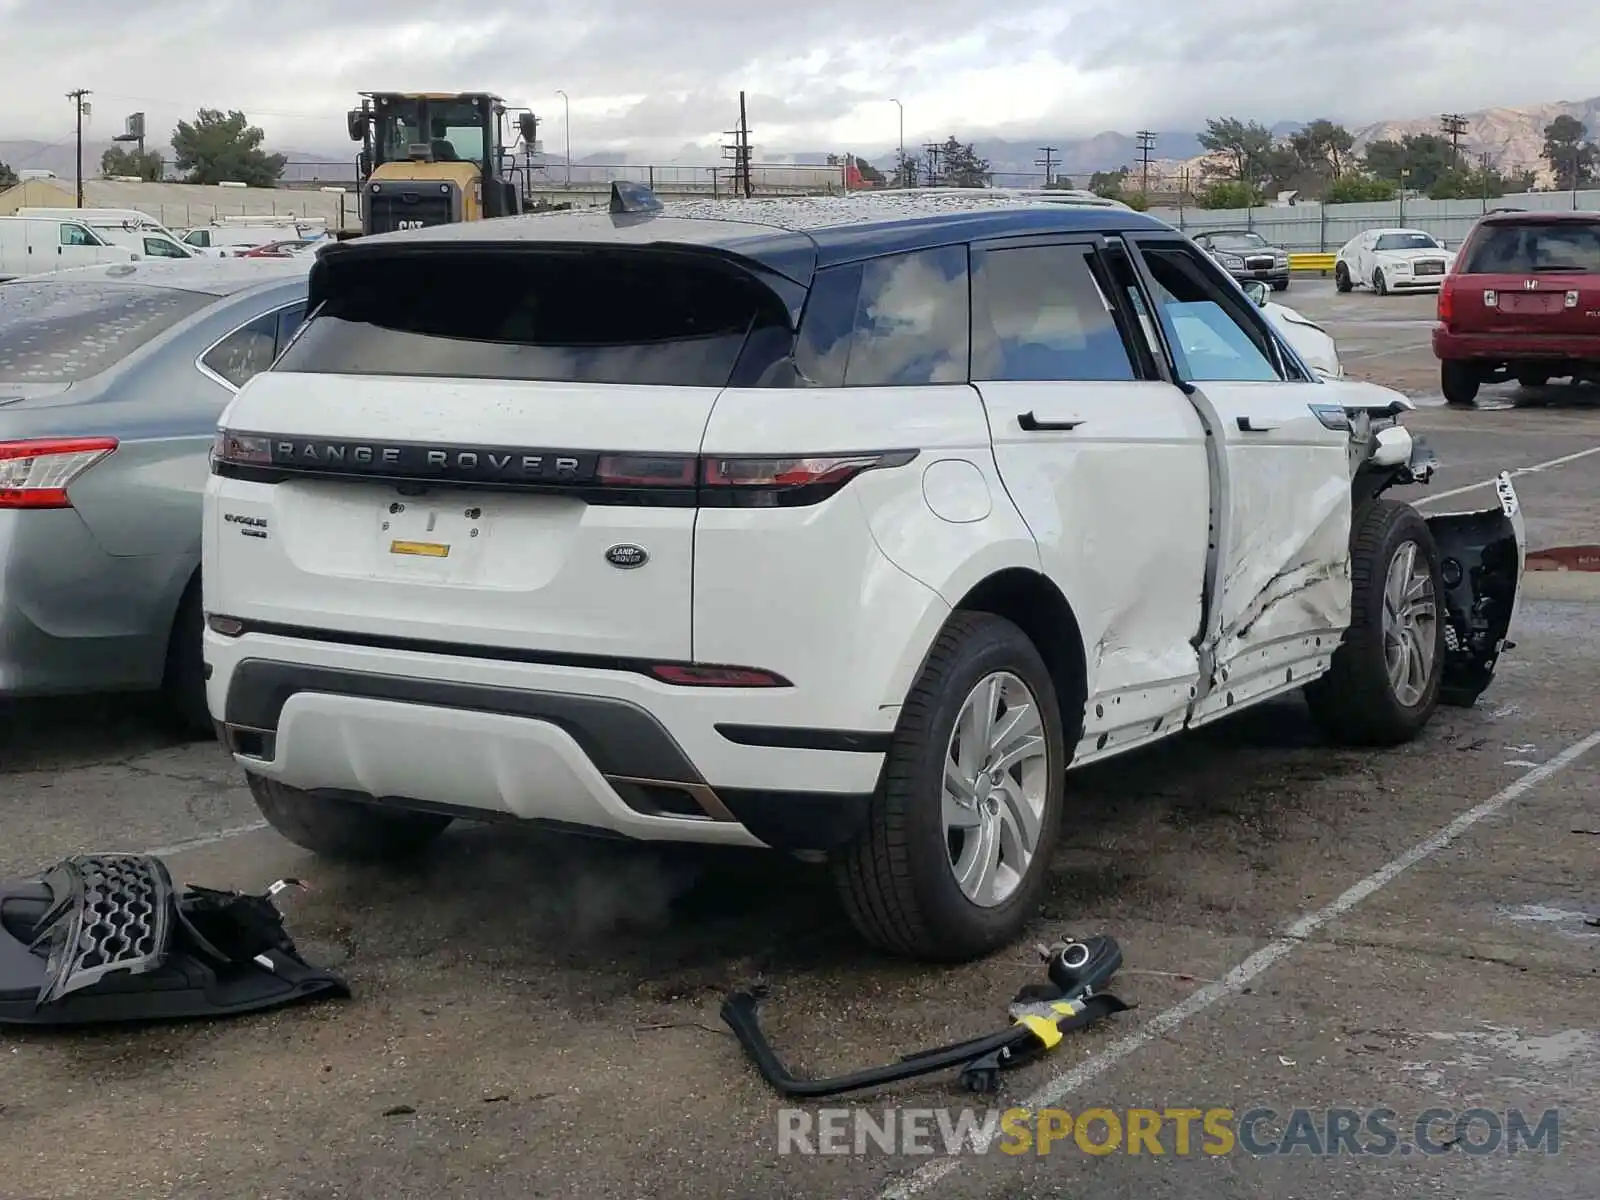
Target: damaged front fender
{"points": [[1482, 556]]}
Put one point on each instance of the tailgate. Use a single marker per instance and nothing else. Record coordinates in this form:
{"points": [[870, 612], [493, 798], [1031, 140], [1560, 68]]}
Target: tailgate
{"points": [[485, 525], [1527, 277]]}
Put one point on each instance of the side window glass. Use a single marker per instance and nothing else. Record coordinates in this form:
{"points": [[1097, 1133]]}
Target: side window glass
{"points": [[1210, 339], [75, 235], [245, 352], [827, 327], [1040, 313], [289, 320], [911, 323], [161, 248]]}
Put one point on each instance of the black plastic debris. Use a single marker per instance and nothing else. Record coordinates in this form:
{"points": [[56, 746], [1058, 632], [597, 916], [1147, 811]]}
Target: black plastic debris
{"points": [[1041, 1015], [107, 938]]}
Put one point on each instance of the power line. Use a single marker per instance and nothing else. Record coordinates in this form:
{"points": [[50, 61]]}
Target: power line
{"points": [[1048, 163], [1147, 143], [934, 150]]}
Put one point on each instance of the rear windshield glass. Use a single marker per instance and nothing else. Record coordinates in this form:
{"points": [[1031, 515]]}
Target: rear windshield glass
{"points": [[55, 331], [597, 316], [1523, 249]]}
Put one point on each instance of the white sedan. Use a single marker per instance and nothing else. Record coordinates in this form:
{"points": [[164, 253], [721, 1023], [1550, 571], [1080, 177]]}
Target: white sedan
{"points": [[1392, 260]]}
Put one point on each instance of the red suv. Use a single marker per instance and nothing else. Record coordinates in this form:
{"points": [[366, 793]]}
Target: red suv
{"points": [[1522, 301]]}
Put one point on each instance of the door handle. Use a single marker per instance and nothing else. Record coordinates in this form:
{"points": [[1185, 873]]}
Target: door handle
{"points": [[1256, 425], [1033, 424]]}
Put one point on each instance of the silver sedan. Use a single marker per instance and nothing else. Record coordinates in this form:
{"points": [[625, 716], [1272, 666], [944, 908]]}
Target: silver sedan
{"points": [[111, 383]]}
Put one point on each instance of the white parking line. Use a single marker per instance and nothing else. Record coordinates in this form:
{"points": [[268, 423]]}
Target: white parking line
{"points": [[1262, 960], [205, 839], [1544, 466]]}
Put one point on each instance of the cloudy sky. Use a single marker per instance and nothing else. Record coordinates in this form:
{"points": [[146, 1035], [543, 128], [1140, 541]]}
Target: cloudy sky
{"points": [[652, 75]]}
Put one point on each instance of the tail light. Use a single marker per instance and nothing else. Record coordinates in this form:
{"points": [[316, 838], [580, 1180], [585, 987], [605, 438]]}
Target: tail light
{"points": [[1447, 299], [786, 481], [36, 473]]}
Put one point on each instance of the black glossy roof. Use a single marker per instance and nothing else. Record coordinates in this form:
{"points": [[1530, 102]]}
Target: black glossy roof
{"points": [[793, 235]]}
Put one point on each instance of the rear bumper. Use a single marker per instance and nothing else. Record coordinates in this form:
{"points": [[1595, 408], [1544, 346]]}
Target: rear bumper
{"points": [[595, 749], [1456, 346]]}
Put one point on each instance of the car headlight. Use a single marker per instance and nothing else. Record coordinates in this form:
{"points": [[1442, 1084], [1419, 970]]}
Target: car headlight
{"points": [[1231, 261], [1401, 265], [1281, 258]]}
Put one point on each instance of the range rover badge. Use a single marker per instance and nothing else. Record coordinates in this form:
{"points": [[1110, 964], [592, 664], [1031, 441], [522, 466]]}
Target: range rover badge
{"points": [[627, 557]]}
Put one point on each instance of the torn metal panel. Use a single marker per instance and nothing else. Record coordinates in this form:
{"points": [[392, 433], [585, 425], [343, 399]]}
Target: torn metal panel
{"points": [[1482, 557]]}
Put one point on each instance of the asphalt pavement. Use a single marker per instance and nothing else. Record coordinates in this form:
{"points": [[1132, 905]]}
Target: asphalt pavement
{"points": [[1306, 928]]}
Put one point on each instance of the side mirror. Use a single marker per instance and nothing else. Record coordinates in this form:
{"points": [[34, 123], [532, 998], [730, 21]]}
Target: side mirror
{"points": [[1393, 447], [355, 123], [1258, 291]]}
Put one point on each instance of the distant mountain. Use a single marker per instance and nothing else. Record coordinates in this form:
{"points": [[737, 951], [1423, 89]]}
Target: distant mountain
{"points": [[1513, 138]]}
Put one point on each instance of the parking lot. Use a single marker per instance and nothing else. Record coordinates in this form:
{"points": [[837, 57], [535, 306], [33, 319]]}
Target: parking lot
{"points": [[536, 1015]]}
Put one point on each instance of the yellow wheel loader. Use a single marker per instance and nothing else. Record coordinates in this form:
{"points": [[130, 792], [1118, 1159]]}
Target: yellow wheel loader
{"points": [[432, 158]]}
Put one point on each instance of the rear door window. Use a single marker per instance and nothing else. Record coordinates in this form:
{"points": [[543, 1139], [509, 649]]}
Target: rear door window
{"points": [[631, 316], [55, 331], [912, 321], [1040, 313], [1571, 247], [245, 352]]}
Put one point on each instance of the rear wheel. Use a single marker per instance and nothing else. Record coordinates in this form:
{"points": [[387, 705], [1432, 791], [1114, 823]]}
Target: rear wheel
{"points": [[956, 850], [345, 829], [1383, 684], [1459, 382], [1341, 278]]}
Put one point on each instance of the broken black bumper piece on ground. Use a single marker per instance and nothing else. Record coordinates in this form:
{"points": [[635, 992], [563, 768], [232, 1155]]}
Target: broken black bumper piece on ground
{"points": [[1041, 1014], [107, 938]]}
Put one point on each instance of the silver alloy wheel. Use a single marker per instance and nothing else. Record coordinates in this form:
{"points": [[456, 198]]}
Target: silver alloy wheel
{"points": [[1410, 617], [996, 778]]}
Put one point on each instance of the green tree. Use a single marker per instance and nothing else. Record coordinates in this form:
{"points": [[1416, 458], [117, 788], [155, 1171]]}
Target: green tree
{"points": [[906, 171], [220, 147], [146, 165], [1227, 193], [1108, 184], [1244, 145], [1355, 188], [8, 177], [1418, 159], [1572, 157], [960, 166], [1137, 201], [1324, 148]]}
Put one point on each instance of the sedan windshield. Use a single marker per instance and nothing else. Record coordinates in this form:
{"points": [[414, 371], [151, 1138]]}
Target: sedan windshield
{"points": [[55, 331], [1405, 241], [1240, 241]]}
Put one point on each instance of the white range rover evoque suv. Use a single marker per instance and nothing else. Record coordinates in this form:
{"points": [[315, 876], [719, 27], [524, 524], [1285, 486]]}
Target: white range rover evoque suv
{"points": [[838, 526]]}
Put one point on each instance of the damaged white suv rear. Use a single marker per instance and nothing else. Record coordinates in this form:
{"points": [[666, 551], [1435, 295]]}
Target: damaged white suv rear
{"points": [[840, 527]]}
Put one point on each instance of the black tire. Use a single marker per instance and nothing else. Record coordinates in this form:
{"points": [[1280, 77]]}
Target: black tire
{"points": [[183, 683], [1281, 285], [1533, 379], [896, 880], [1355, 702], [1379, 283], [344, 829], [1341, 278], [1459, 382]]}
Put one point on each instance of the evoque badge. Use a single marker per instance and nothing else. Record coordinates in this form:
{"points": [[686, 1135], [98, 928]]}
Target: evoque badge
{"points": [[627, 557]]}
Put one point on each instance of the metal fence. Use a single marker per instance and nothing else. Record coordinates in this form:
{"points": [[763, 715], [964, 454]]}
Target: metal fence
{"points": [[1320, 228], [552, 172]]}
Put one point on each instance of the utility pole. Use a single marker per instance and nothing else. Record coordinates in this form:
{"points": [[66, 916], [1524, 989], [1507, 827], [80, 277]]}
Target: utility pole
{"points": [[80, 105], [566, 136], [1147, 143], [933, 149], [900, 167], [739, 151], [1048, 162], [1483, 176], [1453, 125]]}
